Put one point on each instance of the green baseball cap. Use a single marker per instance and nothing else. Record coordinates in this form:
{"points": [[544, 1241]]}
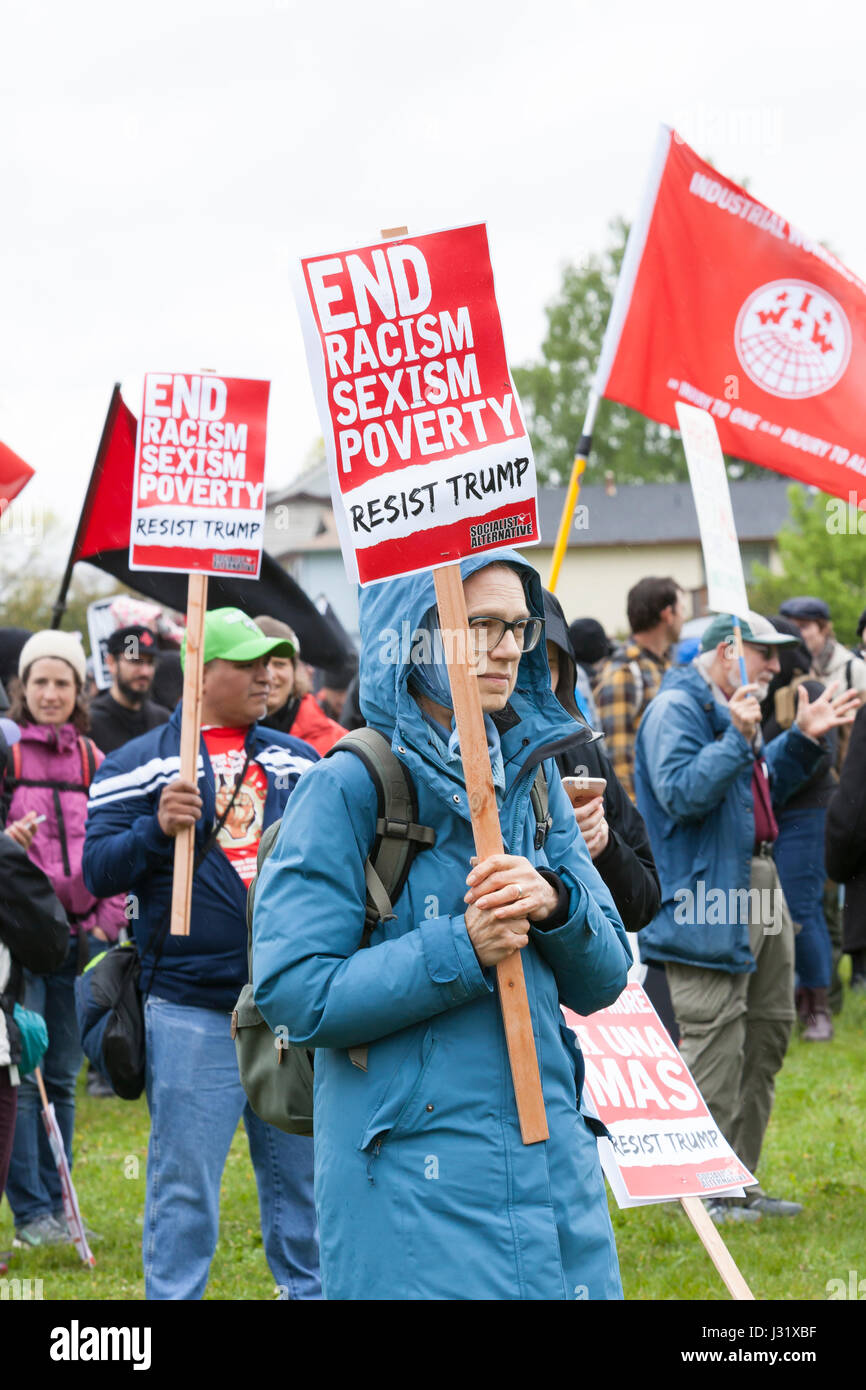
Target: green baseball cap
{"points": [[755, 629], [231, 636]]}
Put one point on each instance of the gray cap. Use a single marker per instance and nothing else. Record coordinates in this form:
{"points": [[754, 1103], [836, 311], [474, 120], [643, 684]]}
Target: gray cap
{"points": [[805, 610], [755, 629]]}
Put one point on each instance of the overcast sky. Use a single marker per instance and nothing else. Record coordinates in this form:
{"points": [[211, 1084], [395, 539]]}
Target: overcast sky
{"points": [[163, 162]]}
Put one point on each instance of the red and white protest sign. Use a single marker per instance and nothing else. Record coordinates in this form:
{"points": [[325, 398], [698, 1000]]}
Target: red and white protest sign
{"points": [[725, 305], [428, 453], [199, 493], [664, 1142]]}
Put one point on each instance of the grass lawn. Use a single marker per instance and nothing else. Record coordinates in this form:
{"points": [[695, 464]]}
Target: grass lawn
{"points": [[814, 1152]]}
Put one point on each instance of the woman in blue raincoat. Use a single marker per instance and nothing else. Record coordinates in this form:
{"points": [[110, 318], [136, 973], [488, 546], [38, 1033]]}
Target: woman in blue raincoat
{"points": [[424, 1188]]}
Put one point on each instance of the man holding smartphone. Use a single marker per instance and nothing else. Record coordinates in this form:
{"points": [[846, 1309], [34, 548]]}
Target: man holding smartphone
{"points": [[706, 787]]}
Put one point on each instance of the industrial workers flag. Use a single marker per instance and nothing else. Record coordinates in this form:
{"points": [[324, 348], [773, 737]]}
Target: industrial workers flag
{"points": [[725, 305]]}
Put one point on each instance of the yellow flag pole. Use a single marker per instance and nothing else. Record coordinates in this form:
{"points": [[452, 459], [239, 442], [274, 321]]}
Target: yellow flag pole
{"points": [[573, 492]]}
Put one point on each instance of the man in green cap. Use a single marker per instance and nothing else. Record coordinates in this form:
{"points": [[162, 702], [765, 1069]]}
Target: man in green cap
{"points": [[138, 804], [706, 786]]}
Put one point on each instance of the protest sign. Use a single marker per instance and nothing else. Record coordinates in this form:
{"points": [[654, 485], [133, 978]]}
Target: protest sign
{"points": [[723, 565], [428, 453], [100, 625], [199, 489], [71, 1209], [664, 1142], [198, 507]]}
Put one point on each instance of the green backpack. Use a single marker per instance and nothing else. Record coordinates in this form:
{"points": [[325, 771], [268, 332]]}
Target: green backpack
{"points": [[276, 1075]]}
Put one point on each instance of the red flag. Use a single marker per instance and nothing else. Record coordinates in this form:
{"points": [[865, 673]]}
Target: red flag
{"points": [[724, 304], [14, 475]]}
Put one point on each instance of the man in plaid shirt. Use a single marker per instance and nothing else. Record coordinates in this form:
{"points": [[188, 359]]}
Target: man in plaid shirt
{"points": [[632, 676]]}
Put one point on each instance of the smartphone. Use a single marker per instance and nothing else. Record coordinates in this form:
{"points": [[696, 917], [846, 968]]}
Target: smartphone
{"points": [[583, 789]]}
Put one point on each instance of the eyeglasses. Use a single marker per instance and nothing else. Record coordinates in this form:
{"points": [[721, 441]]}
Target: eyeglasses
{"points": [[764, 652], [488, 632]]}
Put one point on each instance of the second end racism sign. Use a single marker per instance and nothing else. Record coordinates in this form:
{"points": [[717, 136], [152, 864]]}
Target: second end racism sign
{"points": [[429, 456], [199, 492]]}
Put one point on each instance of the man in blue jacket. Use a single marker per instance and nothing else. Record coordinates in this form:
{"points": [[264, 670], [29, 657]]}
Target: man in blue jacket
{"points": [[138, 804], [705, 787]]}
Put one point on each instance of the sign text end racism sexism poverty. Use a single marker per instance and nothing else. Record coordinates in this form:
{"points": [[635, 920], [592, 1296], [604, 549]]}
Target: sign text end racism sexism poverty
{"points": [[429, 456], [199, 498]]}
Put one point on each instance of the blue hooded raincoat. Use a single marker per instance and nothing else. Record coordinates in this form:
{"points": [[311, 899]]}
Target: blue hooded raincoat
{"points": [[424, 1188]]}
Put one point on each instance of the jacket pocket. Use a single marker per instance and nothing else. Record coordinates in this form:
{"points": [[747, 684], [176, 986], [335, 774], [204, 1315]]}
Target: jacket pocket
{"points": [[395, 1111]]}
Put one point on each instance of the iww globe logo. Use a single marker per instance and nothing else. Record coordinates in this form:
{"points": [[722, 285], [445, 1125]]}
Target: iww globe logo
{"points": [[793, 339]]}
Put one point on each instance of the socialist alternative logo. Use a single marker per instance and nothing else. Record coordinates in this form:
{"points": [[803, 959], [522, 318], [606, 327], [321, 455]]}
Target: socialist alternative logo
{"points": [[793, 339]]}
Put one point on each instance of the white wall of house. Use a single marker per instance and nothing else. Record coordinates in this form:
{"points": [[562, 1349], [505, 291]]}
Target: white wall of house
{"points": [[594, 582]]}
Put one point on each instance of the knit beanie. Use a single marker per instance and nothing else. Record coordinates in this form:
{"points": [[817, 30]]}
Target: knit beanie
{"points": [[65, 646]]}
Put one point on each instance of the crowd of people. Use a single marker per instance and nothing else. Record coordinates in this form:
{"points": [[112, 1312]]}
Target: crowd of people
{"points": [[727, 847]]}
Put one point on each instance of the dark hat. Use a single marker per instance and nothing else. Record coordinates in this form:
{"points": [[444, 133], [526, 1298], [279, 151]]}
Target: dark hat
{"points": [[339, 677], [589, 640], [861, 623], [12, 639], [133, 638], [805, 610]]}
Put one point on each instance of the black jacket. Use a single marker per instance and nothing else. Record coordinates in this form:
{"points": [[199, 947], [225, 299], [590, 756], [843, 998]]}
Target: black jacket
{"points": [[626, 865], [846, 836], [33, 928], [112, 724], [820, 785]]}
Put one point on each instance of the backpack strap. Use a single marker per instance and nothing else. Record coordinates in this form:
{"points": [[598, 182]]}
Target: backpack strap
{"points": [[399, 837], [87, 749], [87, 753], [539, 795]]}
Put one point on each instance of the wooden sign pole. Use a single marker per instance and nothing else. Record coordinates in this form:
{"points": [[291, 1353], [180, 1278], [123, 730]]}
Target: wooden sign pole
{"points": [[469, 718], [516, 1017], [184, 843], [716, 1249]]}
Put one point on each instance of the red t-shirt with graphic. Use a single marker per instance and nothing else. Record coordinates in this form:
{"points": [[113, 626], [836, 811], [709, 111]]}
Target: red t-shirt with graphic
{"points": [[240, 835]]}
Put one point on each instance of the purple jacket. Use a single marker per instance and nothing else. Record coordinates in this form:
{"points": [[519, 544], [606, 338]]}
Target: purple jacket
{"points": [[51, 752]]}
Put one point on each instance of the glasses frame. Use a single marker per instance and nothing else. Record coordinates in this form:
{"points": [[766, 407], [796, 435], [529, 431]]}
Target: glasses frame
{"points": [[509, 627]]}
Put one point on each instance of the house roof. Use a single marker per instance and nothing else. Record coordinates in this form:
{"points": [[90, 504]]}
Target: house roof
{"points": [[663, 513], [311, 485], [636, 513]]}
